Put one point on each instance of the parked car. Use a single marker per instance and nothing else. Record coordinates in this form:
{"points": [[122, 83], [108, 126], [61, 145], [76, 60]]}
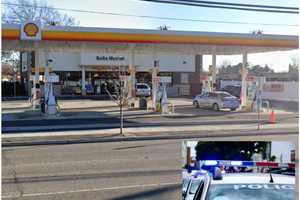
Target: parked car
{"points": [[216, 100], [234, 90], [143, 89]]}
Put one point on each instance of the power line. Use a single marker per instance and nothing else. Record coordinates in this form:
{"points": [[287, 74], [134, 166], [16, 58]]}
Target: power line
{"points": [[152, 17], [239, 4], [223, 7]]}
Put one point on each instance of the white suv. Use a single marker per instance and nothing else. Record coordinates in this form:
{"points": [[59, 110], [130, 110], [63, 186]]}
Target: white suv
{"points": [[143, 89]]}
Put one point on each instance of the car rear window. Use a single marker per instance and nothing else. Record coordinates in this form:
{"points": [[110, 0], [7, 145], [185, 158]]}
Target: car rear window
{"points": [[251, 192], [141, 87]]}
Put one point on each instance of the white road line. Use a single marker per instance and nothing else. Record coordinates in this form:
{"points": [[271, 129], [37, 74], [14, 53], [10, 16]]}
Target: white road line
{"points": [[90, 190], [87, 161]]}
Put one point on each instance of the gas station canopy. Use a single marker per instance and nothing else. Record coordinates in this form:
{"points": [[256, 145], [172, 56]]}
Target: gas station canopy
{"points": [[76, 39]]}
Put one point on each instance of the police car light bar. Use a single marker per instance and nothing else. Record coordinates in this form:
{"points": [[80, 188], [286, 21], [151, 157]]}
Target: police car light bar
{"points": [[246, 164]]}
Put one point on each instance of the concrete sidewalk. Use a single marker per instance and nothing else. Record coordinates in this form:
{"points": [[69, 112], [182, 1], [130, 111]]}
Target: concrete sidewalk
{"points": [[146, 133], [83, 109]]}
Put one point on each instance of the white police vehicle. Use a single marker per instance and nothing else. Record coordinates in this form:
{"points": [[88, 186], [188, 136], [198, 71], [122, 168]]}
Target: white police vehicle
{"points": [[219, 185], [191, 183]]}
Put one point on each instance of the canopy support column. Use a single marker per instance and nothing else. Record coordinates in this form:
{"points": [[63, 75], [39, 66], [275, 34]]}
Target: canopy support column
{"points": [[154, 81], [244, 73], [35, 89], [214, 69], [131, 84], [83, 91]]}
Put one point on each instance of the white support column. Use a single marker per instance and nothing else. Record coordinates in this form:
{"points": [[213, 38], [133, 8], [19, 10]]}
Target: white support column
{"points": [[214, 68], [46, 75], [244, 73], [35, 101], [131, 83], [83, 92], [154, 83]]}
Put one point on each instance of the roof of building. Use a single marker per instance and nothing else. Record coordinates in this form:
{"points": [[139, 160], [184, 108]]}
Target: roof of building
{"points": [[224, 43]]}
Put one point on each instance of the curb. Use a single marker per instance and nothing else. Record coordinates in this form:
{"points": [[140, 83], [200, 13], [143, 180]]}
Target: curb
{"points": [[69, 127], [145, 138]]}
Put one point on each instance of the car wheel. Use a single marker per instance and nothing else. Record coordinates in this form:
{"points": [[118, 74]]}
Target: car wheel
{"points": [[196, 104], [216, 107], [233, 109]]}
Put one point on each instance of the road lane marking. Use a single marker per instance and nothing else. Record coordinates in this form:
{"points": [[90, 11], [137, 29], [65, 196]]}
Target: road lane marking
{"points": [[91, 190]]}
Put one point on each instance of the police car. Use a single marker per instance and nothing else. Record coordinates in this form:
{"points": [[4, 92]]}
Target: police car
{"points": [[216, 184], [190, 184]]}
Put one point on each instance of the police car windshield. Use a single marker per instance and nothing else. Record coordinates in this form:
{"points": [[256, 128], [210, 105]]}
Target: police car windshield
{"points": [[251, 192], [185, 184], [194, 186]]}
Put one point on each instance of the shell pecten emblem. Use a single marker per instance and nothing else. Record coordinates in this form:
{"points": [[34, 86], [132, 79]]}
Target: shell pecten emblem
{"points": [[31, 29]]}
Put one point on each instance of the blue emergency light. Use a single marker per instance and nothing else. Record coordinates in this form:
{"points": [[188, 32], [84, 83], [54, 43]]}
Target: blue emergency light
{"points": [[233, 163]]}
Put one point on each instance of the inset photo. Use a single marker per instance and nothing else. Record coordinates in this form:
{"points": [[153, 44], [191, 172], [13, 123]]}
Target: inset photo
{"points": [[236, 170]]}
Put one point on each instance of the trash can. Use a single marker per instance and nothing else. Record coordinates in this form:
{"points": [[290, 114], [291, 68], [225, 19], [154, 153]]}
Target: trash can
{"points": [[143, 103], [43, 105]]}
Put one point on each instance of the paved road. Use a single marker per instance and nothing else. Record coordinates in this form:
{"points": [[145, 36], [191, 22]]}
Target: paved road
{"points": [[114, 170], [121, 170]]}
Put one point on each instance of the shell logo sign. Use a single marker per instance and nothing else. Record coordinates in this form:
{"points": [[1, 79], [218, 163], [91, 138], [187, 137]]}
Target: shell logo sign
{"points": [[31, 31]]}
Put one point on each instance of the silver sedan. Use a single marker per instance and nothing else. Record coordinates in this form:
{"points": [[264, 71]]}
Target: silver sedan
{"points": [[216, 100]]}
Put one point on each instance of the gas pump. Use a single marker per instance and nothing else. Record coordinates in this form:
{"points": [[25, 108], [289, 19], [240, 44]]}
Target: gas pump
{"points": [[251, 92], [258, 100], [254, 92], [207, 85], [164, 100], [35, 93], [51, 104]]}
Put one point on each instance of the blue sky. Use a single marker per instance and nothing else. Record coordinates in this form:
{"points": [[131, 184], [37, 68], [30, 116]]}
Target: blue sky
{"points": [[138, 7]]}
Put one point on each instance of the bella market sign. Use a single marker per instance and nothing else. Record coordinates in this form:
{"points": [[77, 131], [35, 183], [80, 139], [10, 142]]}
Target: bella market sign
{"points": [[110, 58]]}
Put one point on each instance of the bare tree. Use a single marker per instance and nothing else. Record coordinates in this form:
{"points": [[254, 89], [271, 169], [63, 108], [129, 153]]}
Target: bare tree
{"points": [[19, 11], [24, 10], [120, 94], [294, 63]]}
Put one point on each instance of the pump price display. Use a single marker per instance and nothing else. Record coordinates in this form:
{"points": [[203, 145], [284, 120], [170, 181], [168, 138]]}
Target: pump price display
{"points": [[52, 79]]}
